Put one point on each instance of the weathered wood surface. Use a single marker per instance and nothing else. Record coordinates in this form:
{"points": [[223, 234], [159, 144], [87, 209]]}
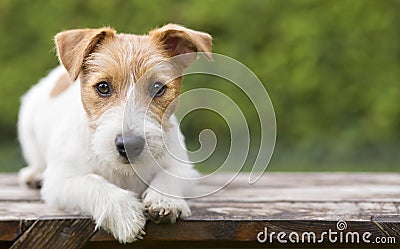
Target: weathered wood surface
{"points": [[232, 217], [56, 233]]}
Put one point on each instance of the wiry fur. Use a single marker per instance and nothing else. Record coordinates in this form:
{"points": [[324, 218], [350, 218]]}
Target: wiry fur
{"points": [[68, 138]]}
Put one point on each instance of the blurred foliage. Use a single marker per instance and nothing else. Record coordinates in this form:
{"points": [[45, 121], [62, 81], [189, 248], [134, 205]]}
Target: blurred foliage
{"points": [[332, 67]]}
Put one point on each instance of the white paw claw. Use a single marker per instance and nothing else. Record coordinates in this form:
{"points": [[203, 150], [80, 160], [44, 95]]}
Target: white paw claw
{"points": [[164, 209]]}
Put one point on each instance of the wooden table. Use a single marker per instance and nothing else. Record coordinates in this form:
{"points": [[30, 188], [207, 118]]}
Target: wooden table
{"points": [[289, 206]]}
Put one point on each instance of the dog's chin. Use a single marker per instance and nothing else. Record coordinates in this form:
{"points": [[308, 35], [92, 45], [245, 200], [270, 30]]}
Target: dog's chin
{"points": [[123, 167]]}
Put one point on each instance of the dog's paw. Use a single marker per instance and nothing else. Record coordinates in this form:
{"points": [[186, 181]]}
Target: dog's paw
{"points": [[124, 218], [164, 209], [30, 176]]}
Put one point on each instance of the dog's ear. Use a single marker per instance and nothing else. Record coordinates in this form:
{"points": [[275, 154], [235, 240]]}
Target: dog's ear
{"points": [[179, 40], [73, 46]]}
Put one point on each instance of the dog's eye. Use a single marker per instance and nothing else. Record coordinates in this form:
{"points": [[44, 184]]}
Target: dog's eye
{"points": [[158, 89], [103, 88]]}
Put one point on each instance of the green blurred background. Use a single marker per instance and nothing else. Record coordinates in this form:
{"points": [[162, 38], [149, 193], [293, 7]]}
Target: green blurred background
{"points": [[332, 68]]}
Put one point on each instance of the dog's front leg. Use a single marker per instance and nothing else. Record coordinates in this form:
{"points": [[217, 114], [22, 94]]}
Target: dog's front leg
{"points": [[114, 209], [163, 198]]}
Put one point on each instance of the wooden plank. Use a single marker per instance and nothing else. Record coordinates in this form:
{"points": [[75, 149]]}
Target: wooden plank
{"points": [[56, 233], [278, 179], [362, 192], [363, 211], [307, 187], [220, 213], [390, 225], [329, 211], [30, 211], [272, 187], [247, 231], [10, 230], [232, 216], [370, 192], [18, 193]]}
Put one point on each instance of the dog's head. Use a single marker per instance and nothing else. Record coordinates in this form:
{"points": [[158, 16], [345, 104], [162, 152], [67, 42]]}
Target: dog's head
{"points": [[130, 79]]}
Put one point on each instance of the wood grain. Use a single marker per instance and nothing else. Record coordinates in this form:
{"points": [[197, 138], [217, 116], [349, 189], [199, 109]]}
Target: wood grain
{"points": [[56, 233], [232, 217]]}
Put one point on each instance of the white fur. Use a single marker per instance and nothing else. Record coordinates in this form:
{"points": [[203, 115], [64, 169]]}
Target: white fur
{"points": [[81, 169]]}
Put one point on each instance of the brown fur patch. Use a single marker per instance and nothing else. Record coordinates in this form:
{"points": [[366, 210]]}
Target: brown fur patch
{"points": [[73, 46], [123, 60], [179, 40], [120, 61], [61, 85]]}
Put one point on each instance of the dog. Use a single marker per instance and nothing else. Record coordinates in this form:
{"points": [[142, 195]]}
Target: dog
{"points": [[94, 132]]}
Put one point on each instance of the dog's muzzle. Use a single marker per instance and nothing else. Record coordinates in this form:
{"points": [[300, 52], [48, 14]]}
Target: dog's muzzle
{"points": [[129, 145]]}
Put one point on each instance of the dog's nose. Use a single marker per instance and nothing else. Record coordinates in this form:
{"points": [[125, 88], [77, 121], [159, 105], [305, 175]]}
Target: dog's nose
{"points": [[129, 145]]}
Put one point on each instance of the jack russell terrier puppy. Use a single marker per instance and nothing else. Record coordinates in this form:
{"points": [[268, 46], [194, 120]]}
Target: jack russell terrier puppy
{"points": [[71, 127]]}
